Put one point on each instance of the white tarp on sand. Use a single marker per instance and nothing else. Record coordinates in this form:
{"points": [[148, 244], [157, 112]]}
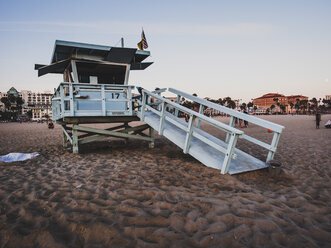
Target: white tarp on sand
{"points": [[15, 156]]}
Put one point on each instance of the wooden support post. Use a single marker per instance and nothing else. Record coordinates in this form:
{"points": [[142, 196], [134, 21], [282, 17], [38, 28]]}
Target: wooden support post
{"points": [[74, 71], [103, 99], [65, 138], [75, 139], [126, 126], [201, 109], [129, 96], [231, 124], [152, 136], [62, 108], [229, 153], [143, 105], [178, 102], [162, 117], [189, 134], [71, 100], [274, 144]]}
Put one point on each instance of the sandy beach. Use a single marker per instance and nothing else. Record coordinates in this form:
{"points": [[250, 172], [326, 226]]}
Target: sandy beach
{"points": [[114, 194]]}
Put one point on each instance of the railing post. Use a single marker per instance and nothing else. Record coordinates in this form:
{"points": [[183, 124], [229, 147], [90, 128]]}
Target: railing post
{"points": [[62, 101], [72, 111], [129, 98], [231, 124], [143, 105], [229, 152], [103, 99], [178, 102], [189, 134], [274, 144], [162, 117], [201, 109]]}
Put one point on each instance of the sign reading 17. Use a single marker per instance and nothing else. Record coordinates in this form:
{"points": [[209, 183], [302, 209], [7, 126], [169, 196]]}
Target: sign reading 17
{"points": [[115, 95]]}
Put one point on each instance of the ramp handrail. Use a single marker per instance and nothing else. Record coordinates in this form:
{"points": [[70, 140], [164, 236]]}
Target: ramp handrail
{"points": [[190, 129], [277, 129]]}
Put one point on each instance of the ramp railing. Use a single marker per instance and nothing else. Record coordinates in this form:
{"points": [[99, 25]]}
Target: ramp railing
{"points": [[160, 106], [275, 128]]}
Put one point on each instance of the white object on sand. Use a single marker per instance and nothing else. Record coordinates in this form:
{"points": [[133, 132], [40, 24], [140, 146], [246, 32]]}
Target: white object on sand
{"points": [[15, 156]]}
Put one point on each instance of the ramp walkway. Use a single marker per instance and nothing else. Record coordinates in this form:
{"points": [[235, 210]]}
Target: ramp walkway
{"points": [[162, 115]]}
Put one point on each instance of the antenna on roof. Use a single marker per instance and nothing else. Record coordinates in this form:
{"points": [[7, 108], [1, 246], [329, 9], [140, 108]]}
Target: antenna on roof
{"points": [[122, 42]]}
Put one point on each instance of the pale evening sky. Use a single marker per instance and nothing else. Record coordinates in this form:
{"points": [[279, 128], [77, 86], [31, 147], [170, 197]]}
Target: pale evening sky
{"points": [[241, 49]]}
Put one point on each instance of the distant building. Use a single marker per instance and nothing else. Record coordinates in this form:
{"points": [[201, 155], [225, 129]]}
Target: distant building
{"points": [[293, 99], [328, 97], [266, 101], [40, 104]]}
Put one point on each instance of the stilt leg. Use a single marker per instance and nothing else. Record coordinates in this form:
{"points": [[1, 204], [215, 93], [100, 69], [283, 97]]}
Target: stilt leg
{"points": [[126, 140], [65, 139], [152, 135], [74, 139]]}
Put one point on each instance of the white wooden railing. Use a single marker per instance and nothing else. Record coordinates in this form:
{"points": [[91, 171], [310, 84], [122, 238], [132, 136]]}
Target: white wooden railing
{"points": [[80, 99], [159, 106], [148, 105], [275, 128]]}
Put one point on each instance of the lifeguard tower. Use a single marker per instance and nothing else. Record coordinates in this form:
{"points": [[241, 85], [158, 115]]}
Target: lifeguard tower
{"points": [[96, 90]]}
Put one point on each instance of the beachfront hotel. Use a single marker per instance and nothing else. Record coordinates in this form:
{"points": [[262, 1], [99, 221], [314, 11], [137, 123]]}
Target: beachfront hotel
{"points": [[39, 103], [266, 101]]}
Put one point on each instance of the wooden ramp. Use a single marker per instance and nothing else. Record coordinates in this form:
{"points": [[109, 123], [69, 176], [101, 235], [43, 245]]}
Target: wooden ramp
{"points": [[161, 114], [201, 151]]}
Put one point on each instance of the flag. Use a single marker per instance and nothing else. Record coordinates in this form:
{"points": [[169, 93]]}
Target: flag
{"points": [[140, 45], [143, 43]]}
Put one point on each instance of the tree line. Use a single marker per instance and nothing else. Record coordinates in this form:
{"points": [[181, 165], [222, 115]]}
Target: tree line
{"points": [[300, 106]]}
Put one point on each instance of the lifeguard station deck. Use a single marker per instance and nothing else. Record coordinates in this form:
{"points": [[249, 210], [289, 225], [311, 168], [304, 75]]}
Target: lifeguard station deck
{"points": [[96, 90]]}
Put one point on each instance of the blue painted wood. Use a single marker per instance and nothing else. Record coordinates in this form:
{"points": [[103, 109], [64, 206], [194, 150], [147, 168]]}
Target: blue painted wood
{"points": [[206, 154]]}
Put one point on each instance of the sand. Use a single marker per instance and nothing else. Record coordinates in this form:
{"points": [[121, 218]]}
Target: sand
{"points": [[127, 195]]}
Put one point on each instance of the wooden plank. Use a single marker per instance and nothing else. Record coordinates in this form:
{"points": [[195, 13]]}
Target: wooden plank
{"points": [[274, 144], [74, 71], [209, 142], [176, 123], [103, 99], [95, 138], [258, 142], [62, 100], [91, 134], [162, 117], [231, 124], [66, 134], [178, 102], [189, 134], [228, 154], [153, 110], [143, 105], [71, 99], [110, 133], [99, 119]]}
